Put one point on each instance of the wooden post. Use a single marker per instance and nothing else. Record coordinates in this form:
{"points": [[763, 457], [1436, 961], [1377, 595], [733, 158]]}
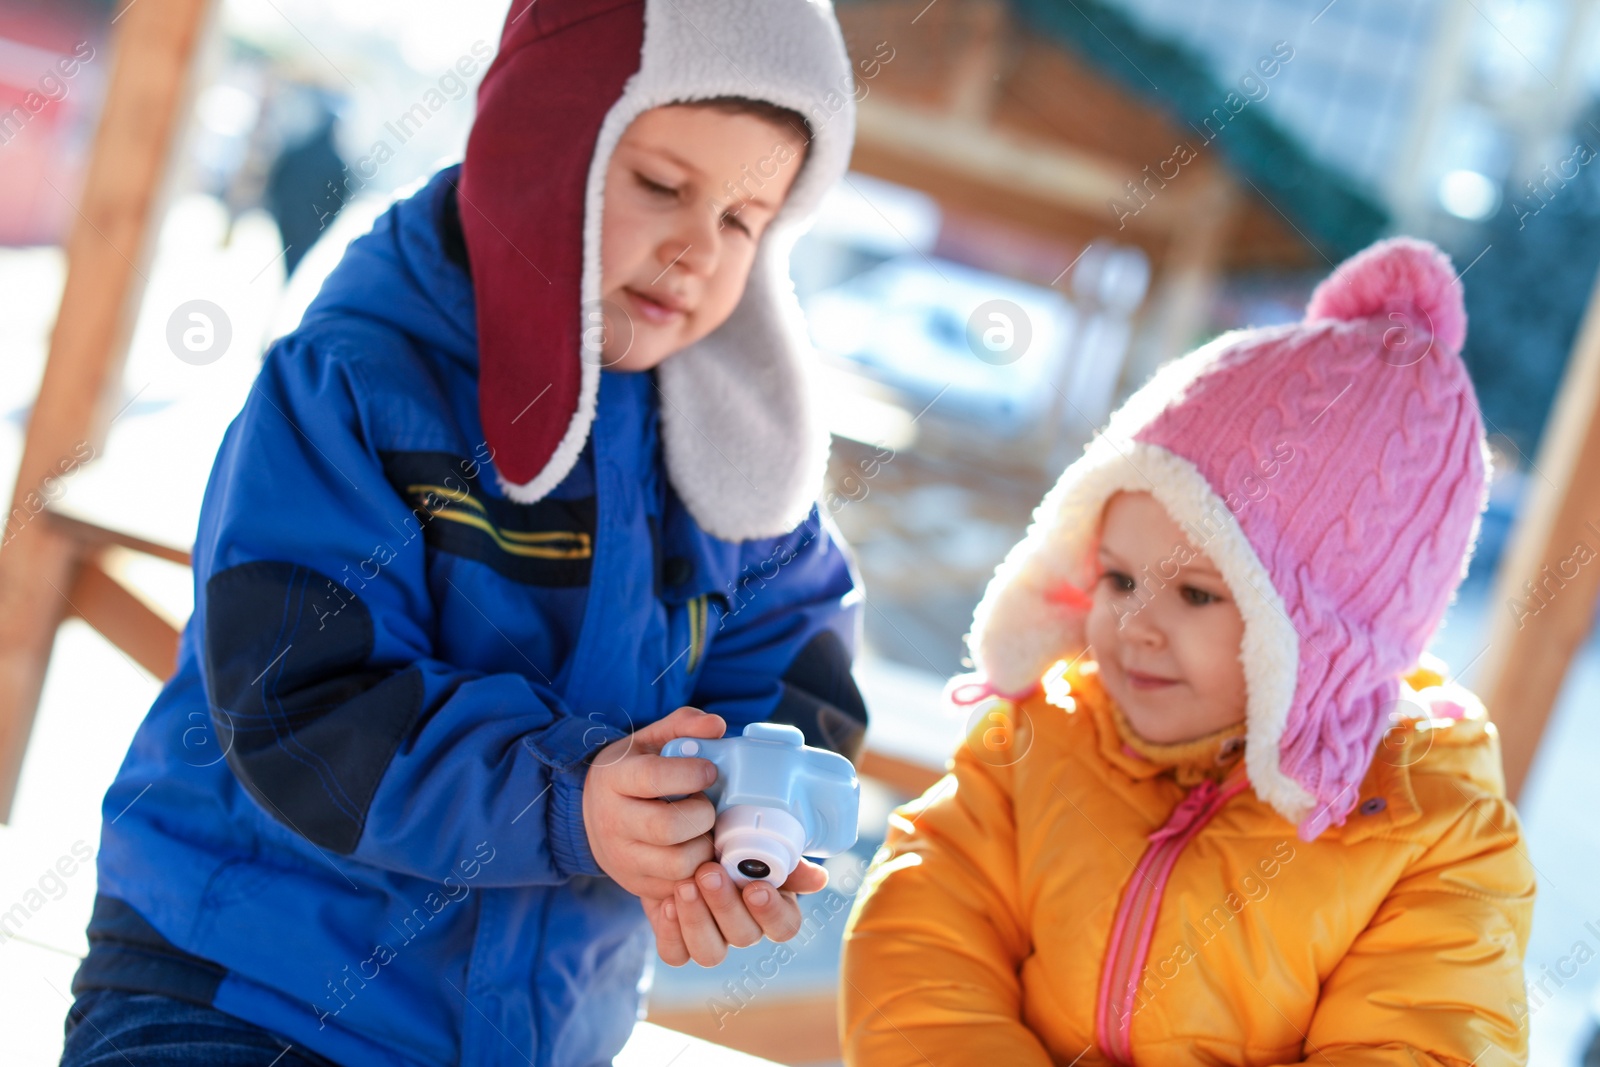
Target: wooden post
{"points": [[147, 99], [974, 77], [1548, 581], [1189, 274]]}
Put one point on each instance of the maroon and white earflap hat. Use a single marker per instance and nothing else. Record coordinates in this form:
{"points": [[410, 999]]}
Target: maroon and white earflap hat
{"points": [[1333, 469], [744, 447]]}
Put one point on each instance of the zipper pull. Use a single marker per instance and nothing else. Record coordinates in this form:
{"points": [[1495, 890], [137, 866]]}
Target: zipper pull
{"points": [[1192, 807]]}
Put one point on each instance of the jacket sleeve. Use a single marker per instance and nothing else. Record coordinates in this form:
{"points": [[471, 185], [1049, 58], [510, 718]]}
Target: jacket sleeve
{"points": [[1436, 977], [785, 639], [933, 945], [315, 622]]}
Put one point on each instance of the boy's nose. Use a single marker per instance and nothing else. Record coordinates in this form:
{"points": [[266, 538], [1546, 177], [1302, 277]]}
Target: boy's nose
{"points": [[693, 246], [682, 257]]}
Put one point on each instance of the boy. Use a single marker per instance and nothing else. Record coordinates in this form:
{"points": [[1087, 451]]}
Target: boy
{"points": [[536, 469]]}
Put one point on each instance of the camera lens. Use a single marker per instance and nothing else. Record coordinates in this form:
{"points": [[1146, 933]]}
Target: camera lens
{"points": [[754, 869]]}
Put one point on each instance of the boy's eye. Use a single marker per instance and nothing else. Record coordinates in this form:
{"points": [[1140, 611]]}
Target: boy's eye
{"points": [[731, 218], [1199, 597], [655, 186]]}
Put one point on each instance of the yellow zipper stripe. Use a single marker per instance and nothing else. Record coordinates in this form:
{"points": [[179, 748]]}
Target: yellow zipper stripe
{"points": [[552, 544], [511, 535], [697, 630]]}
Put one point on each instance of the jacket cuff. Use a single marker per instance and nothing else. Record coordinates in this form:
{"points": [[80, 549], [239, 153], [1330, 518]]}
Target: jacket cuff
{"points": [[565, 749], [569, 838]]}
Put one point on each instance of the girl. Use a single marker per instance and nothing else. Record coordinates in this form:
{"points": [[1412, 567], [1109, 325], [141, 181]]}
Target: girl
{"points": [[1214, 809]]}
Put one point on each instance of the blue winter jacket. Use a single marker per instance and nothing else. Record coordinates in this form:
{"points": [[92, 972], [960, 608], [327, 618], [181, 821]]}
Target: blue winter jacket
{"points": [[354, 814]]}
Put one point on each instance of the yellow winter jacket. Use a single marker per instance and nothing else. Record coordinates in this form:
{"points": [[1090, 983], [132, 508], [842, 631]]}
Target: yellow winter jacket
{"points": [[983, 926]]}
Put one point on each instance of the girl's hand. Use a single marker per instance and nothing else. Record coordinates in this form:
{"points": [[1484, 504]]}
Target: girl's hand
{"points": [[706, 914]]}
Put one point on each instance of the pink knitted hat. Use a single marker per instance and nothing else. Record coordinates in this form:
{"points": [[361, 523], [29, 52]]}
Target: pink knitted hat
{"points": [[1333, 470]]}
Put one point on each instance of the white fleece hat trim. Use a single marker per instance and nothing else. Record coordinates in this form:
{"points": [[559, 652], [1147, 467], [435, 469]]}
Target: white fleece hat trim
{"points": [[1017, 631], [745, 448]]}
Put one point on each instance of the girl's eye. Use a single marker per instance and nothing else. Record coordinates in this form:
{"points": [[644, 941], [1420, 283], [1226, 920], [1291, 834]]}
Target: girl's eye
{"points": [[731, 218], [1118, 581], [654, 186], [1199, 597]]}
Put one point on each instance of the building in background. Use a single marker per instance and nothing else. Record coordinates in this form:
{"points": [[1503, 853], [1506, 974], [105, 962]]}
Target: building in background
{"points": [[1474, 123], [52, 79]]}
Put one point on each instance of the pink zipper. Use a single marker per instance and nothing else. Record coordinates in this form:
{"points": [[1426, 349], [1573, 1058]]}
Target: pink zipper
{"points": [[1135, 922]]}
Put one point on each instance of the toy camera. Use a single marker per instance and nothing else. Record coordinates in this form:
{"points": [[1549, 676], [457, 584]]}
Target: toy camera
{"points": [[777, 800]]}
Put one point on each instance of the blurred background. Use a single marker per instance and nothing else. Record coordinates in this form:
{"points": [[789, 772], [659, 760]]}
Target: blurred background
{"points": [[1048, 199]]}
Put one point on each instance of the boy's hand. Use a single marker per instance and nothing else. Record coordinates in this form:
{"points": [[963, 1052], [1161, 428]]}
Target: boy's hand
{"points": [[708, 913], [648, 845]]}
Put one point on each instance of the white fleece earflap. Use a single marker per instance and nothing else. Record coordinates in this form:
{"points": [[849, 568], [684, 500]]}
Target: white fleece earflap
{"points": [[744, 448]]}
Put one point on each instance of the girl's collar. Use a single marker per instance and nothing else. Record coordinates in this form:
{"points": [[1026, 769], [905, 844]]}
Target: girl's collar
{"points": [[1190, 762]]}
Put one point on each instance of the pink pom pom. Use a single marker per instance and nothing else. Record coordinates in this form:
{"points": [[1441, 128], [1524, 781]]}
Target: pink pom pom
{"points": [[1402, 281]]}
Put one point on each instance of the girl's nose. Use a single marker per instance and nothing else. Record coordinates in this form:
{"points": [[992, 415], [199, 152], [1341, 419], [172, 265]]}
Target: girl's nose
{"points": [[1150, 636], [1140, 628]]}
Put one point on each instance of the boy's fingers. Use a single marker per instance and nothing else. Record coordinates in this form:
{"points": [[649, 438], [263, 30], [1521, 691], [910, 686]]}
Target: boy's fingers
{"points": [[777, 912], [684, 820], [738, 927], [668, 865], [667, 822], [649, 777], [807, 878], [701, 935], [681, 860], [685, 722], [663, 918]]}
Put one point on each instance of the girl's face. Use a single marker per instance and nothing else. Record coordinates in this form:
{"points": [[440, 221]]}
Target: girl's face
{"points": [[1163, 626], [689, 192]]}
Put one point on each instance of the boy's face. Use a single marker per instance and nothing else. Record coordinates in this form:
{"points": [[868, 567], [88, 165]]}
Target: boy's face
{"points": [[689, 192], [1164, 627]]}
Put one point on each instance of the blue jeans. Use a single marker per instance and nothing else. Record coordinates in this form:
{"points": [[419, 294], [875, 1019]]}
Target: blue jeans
{"points": [[113, 1028]]}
